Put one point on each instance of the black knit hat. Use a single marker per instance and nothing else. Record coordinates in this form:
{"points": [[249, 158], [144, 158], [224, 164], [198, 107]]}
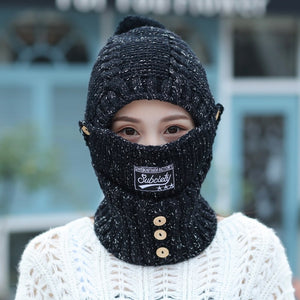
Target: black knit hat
{"points": [[142, 183], [143, 60]]}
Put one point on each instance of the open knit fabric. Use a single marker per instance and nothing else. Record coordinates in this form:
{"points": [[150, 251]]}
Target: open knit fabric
{"points": [[245, 261]]}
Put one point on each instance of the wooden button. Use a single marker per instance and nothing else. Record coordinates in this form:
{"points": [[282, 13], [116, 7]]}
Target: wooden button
{"points": [[85, 130], [160, 234], [162, 252], [218, 115], [159, 221]]}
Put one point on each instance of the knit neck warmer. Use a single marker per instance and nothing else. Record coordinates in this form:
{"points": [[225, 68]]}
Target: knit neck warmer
{"points": [[153, 213]]}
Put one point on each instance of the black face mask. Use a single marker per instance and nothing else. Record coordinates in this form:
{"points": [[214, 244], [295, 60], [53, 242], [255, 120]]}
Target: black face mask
{"points": [[153, 213]]}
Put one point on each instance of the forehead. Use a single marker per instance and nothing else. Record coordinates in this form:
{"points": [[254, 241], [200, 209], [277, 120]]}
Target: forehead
{"points": [[151, 106]]}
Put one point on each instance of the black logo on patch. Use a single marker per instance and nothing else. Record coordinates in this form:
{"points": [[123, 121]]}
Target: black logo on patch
{"points": [[154, 179]]}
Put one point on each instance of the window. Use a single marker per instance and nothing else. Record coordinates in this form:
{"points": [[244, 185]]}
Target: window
{"points": [[42, 37], [263, 168], [265, 48]]}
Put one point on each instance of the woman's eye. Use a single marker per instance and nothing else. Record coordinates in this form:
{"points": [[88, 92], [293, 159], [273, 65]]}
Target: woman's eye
{"points": [[128, 131], [173, 130]]}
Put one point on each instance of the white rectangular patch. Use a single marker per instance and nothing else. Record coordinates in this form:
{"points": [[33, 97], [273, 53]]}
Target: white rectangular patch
{"points": [[154, 179]]}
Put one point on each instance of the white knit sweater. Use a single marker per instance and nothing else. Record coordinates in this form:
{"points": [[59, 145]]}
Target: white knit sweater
{"points": [[245, 261]]}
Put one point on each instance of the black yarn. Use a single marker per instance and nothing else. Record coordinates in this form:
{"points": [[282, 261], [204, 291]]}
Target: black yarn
{"points": [[147, 63], [143, 60], [124, 219], [131, 22]]}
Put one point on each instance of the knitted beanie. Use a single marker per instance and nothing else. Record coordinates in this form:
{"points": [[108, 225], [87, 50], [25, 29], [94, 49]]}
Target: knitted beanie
{"points": [[152, 213], [143, 60]]}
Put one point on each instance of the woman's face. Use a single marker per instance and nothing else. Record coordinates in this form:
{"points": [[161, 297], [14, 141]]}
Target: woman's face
{"points": [[152, 122]]}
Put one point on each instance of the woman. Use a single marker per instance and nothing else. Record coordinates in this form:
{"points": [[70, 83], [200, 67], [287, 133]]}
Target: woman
{"points": [[150, 124]]}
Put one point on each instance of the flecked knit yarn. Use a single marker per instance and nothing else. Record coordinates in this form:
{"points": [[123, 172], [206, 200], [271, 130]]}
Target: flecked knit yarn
{"points": [[145, 61], [124, 219], [141, 183]]}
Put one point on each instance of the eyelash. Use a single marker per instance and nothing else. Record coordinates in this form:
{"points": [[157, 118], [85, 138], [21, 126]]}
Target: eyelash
{"points": [[123, 130], [178, 129]]}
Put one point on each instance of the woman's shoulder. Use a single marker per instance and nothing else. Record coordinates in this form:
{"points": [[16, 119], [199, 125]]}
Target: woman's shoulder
{"points": [[46, 266], [248, 231], [258, 255], [243, 223], [55, 239]]}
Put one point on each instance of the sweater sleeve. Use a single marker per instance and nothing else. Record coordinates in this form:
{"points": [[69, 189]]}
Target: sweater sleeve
{"points": [[41, 273], [275, 273]]}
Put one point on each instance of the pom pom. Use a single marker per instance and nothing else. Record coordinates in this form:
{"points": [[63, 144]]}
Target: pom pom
{"points": [[132, 22]]}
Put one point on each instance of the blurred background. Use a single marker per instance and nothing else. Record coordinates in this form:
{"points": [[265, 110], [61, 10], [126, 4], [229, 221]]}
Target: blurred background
{"points": [[251, 51]]}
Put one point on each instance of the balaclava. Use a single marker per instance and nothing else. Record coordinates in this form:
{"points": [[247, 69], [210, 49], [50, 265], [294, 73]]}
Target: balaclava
{"points": [[153, 212]]}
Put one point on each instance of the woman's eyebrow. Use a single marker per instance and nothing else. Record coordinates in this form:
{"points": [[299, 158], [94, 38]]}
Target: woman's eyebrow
{"points": [[175, 117], [126, 119]]}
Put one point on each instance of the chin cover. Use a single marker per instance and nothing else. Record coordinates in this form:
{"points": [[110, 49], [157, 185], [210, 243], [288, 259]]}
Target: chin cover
{"points": [[142, 184]]}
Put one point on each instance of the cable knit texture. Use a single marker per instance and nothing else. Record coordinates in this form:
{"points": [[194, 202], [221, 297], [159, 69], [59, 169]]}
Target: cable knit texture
{"points": [[143, 60], [245, 261]]}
